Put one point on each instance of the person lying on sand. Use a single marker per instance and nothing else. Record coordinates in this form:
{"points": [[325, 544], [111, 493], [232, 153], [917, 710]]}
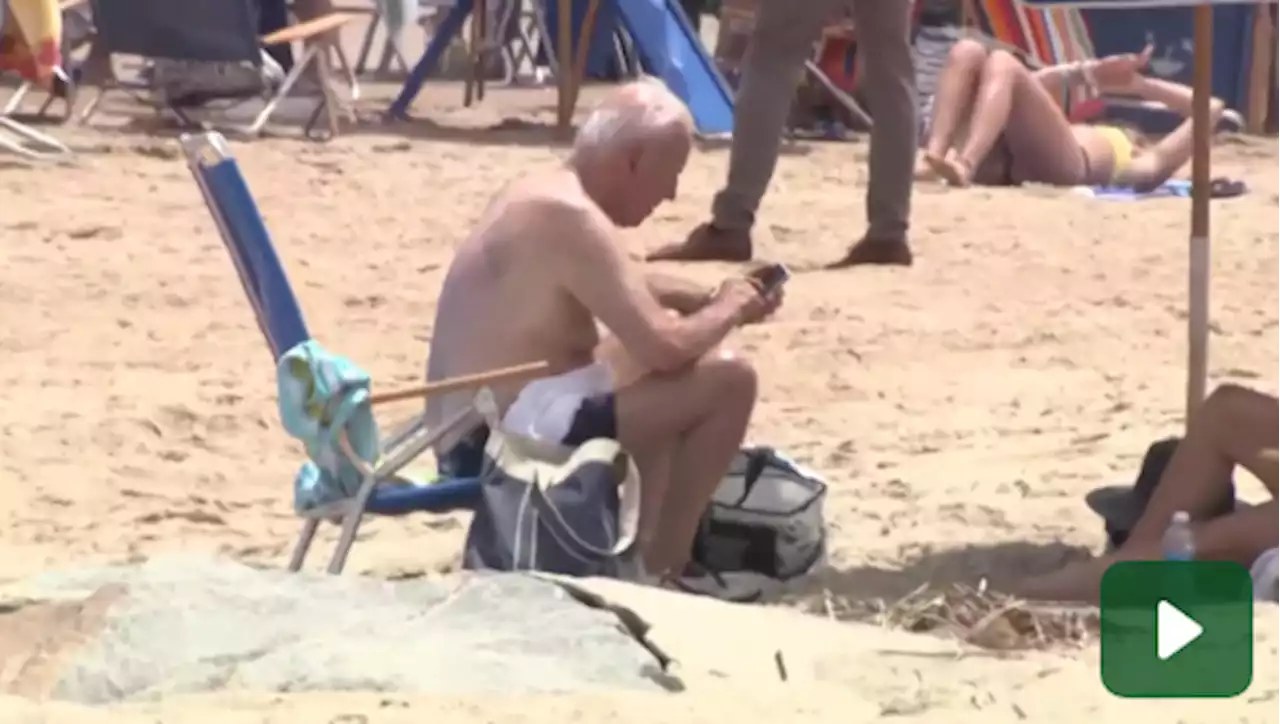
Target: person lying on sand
{"points": [[1234, 426], [544, 263], [996, 123]]}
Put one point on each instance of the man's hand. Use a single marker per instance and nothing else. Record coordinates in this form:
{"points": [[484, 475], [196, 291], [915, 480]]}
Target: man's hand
{"points": [[748, 298]]}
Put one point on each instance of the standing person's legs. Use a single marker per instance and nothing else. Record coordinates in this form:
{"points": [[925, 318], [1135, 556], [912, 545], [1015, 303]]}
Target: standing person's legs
{"points": [[782, 39], [884, 49]]}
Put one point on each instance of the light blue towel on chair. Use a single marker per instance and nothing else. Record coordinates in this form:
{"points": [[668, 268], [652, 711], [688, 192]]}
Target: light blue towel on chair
{"points": [[320, 394]]}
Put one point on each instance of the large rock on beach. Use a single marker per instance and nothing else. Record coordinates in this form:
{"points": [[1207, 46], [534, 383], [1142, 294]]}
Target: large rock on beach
{"points": [[173, 626]]}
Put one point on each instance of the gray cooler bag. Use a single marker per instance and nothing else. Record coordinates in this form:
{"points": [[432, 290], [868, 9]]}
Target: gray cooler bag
{"points": [[548, 508], [764, 518]]}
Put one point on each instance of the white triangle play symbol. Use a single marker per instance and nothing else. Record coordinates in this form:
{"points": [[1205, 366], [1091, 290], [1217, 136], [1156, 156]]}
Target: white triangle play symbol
{"points": [[1175, 630]]}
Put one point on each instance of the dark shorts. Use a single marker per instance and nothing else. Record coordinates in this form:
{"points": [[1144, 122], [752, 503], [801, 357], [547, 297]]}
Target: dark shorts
{"points": [[596, 417]]}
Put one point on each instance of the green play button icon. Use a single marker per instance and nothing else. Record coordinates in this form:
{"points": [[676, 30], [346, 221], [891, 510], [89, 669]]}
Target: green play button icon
{"points": [[1177, 629]]}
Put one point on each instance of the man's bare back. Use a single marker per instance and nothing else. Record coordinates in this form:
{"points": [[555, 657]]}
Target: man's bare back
{"points": [[501, 305]]}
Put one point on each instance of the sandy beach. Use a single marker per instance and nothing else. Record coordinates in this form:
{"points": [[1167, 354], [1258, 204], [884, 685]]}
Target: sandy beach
{"points": [[960, 409]]}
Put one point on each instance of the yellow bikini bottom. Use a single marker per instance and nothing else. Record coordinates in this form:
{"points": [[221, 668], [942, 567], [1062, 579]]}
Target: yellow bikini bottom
{"points": [[1121, 146]]}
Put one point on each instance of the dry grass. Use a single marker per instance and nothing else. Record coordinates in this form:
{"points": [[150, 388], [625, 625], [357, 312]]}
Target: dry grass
{"points": [[977, 616]]}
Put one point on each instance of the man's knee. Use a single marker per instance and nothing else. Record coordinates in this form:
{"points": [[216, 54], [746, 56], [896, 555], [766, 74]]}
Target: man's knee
{"points": [[1234, 406], [731, 374]]}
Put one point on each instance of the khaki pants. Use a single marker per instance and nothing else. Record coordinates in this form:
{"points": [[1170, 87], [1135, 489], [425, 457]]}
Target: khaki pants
{"points": [[783, 39]]}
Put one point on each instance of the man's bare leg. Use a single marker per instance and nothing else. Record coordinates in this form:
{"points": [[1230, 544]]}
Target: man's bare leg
{"points": [[1011, 101], [1233, 427], [688, 426], [954, 100]]}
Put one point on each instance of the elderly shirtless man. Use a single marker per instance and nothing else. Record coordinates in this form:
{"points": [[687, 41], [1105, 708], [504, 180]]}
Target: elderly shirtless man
{"points": [[544, 264]]}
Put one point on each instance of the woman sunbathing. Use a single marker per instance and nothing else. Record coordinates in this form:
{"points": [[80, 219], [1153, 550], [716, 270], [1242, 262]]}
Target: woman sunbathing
{"points": [[997, 123]]}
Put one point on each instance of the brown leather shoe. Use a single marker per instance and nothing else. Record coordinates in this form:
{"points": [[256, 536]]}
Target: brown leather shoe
{"points": [[707, 243], [888, 252]]}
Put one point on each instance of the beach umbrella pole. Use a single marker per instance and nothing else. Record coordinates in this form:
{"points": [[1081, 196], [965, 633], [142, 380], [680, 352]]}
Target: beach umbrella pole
{"points": [[1198, 248]]}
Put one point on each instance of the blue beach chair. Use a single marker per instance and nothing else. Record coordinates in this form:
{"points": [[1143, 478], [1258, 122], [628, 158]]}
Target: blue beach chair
{"points": [[280, 319]]}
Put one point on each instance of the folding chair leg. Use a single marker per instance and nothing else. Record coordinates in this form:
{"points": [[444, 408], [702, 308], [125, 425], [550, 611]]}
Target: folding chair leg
{"points": [[308, 55], [303, 545], [21, 150], [33, 135], [344, 65], [366, 45], [92, 105], [16, 99], [324, 73], [391, 54]]}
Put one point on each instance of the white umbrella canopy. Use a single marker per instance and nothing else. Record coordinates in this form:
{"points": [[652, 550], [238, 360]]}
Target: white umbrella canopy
{"points": [[1198, 248]]}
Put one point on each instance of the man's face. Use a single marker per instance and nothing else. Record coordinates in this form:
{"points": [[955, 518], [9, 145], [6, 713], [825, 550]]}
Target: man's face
{"points": [[653, 176]]}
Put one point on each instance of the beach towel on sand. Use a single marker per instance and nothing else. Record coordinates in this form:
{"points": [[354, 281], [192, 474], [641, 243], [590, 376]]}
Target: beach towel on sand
{"points": [[1219, 188], [321, 395]]}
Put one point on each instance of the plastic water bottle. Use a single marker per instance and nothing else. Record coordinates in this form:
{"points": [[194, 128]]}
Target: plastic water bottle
{"points": [[1179, 544]]}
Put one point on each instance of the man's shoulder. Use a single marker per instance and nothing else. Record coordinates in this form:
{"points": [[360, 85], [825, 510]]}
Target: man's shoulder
{"points": [[551, 196], [554, 214]]}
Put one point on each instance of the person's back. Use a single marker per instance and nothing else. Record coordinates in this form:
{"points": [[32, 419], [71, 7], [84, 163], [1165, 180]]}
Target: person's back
{"points": [[498, 307]]}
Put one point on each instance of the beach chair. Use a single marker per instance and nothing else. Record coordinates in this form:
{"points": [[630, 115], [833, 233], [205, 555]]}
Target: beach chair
{"points": [[77, 28], [214, 31], [19, 138], [280, 319]]}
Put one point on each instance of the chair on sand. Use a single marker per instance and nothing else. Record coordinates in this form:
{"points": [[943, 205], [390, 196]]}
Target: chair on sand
{"points": [[280, 319], [16, 137], [214, 31]]}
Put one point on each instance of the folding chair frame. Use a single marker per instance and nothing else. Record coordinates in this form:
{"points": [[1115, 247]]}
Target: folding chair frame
{"points": [[204, 153], [319, 37], [29, 143]]}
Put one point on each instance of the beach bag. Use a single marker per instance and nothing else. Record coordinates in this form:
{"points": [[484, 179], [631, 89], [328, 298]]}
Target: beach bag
{"points": [[548, 508], [764, 518]]}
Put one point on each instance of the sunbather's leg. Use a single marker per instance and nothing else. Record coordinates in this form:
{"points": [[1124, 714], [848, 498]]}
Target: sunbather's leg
{"points": [[952, 103], [1232, 428], [684, 430], [1012, 102]]}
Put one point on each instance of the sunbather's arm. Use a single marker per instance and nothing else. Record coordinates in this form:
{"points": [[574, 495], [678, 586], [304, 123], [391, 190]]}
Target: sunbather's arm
{"points": [[593, 270], [1156, 163], [680, 295], [1059, 80]]}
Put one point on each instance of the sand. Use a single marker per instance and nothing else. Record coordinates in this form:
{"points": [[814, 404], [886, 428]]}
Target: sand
{"points": [[960, 408]]}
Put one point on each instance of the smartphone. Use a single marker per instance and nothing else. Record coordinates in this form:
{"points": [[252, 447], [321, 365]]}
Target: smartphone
{"points": [[771, 277]]}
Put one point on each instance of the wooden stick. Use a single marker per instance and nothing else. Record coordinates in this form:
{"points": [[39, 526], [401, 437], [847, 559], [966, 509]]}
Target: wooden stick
{"points": [[1198, 251], [564, 66], [585, 34], [526, 371]]}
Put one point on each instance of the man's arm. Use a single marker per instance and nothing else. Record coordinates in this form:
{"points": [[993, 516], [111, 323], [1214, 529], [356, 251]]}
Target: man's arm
{"points": [[680, 295], [592, 268]]}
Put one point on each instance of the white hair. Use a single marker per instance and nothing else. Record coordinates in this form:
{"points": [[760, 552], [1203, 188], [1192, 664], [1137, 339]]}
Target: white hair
{"points": [[641, 109]]}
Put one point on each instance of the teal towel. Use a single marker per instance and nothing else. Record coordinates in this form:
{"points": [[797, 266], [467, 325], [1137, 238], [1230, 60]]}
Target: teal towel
{"points": [[321, 394]]}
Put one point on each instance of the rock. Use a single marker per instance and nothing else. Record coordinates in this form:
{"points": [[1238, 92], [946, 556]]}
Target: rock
{"points": [[180, 625]]}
